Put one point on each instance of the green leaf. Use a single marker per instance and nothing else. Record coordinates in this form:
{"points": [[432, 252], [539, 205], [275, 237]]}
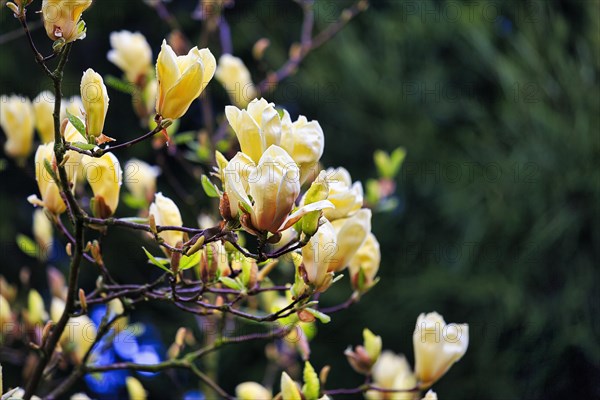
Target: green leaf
{"points": [[27, 245], [154, 261], [83, 146], [188, 262], [230, 283], [184, 137], [324, 318], [311, 386], [135, 220], [209, 188], [77, 123], [119, 84], [133, 202]]}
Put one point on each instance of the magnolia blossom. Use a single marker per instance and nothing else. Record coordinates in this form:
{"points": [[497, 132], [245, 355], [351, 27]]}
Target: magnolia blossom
{"points": [[392, 371], [165, 212], [304, 141], [260, 126], [95, 102], [251, 391], [131, 53], [431, 395], [79, 334], [141, 179], [62, 19], [266, 191], [367, 260], [105, 176], [236, 79], [351, 234], [318, 257], [437, 346], [51, 198], [181, 79], [17, 121], [347, 197], [135, 390], [43, 106]]}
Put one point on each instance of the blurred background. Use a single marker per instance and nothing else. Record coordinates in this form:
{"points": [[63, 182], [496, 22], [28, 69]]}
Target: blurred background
{"points": [[496, 217]]}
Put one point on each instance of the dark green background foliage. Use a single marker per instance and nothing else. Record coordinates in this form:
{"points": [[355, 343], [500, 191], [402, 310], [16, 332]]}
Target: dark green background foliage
{"points": [[497, 104]]}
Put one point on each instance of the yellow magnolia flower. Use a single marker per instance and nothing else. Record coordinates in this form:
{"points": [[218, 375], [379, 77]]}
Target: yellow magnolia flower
{"points": [[392, 371], [166, 213], [236, 79], [131, 53], [17, 121], [42, 232], [318, 257], [62, 19], [304, 141], [345, 196], [141, 179], [289, 388], [80, 332], [51, 198], [95, 102], [43, 106], [252, 391], [256, 128], [273, 186], [351, 234], [437, 346], [105, 176], [74, 105], [181, 79], [367, 259]]}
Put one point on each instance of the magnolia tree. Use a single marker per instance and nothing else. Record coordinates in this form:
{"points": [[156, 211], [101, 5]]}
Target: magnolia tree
{"points": [[285, 232]]}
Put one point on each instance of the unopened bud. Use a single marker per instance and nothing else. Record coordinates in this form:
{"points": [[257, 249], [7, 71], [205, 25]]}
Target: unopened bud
{"points": [[82, 300], [259, 48], [68, 249], [152, 223]]}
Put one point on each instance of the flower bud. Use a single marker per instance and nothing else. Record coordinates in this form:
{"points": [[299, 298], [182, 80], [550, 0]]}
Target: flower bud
{"points": [[318, 191], [166, 213], [131, 53], [351, 233], [42, 232], [345, 196], [95, 102], [289, 389], [135, 390], [364, 264], [141, 179], [5, 313], [43, 106], [364, 357], [431, 395], [251, 391], [105, 176], [36, 311], [236, 79], [62, 19], [312, 386], [181, 79], [437, 346], [17, 121]]}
